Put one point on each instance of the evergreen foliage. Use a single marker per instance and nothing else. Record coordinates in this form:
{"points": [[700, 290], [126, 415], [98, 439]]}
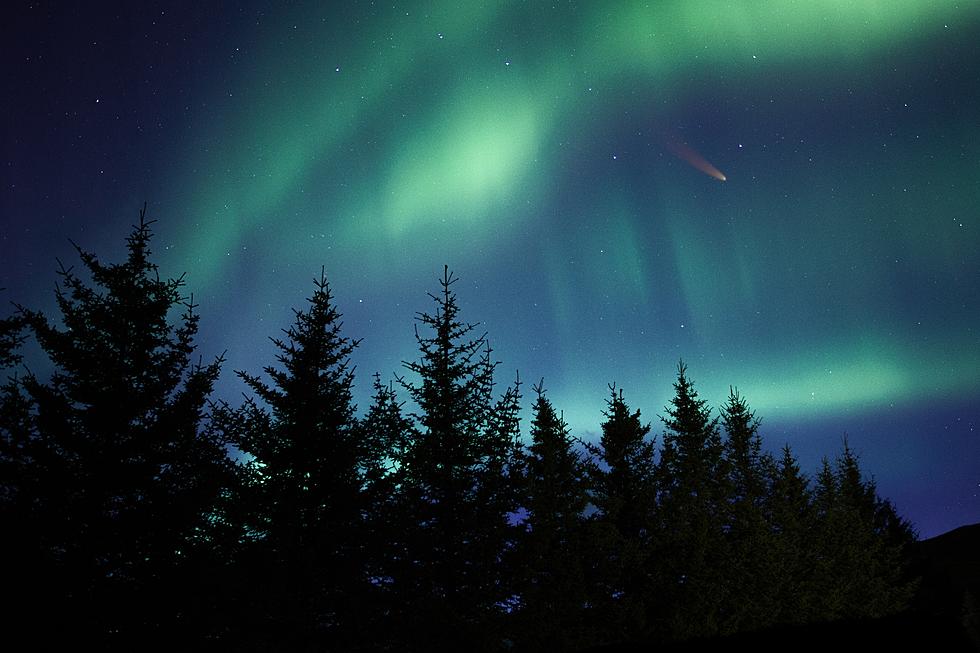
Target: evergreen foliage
{"points": [[623, 494], [109, 473], [454, 490], [789, 511], [134, 510], [554, 554], [309, 465], [857, 544], [692, 516], [386, 431], [749, 567]]}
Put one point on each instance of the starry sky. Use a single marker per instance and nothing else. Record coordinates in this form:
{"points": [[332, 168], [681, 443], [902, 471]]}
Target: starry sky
{"points": [[782, 193]]}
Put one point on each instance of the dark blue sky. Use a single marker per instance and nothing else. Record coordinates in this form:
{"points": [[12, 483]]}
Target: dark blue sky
{"points": [[566, 161]]}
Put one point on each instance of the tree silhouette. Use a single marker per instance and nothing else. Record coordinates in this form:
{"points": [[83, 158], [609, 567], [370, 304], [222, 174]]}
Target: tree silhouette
{"points": [[789, 510], [309, 462], [859, 546], [127, 524], [554, 555], [623, 495], [692, 511], [750, 567], [453, 479], [386, 431], [113, 476]]}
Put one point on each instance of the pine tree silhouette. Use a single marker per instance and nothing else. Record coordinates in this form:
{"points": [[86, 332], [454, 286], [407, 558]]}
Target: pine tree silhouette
{"points": [[115, 475], [453, 487], [859, 546], [309, 464], [127, 525], [623, 494], [789, 510], [691, 477], [553, 551], [749, 570], [386, 431]]}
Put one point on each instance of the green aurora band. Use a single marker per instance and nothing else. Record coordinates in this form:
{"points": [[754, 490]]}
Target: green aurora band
{"points": [[386, 144]]}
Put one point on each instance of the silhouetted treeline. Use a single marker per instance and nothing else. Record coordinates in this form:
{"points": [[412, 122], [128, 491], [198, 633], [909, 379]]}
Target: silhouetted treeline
{"points": [[137, 512]]}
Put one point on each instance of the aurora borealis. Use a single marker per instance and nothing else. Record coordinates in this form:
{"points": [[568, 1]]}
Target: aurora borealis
{"points": [[533, 147]]}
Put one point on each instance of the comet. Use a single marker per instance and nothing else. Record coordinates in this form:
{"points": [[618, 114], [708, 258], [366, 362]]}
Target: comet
{"points": [[690, 155]]}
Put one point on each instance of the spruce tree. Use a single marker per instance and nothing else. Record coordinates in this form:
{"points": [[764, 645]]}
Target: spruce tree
{"points": [[116, 475], [454, 477], [623, 494], [744, 460], [824, 599], [692, 515], [308, 464], [386, 431], [553, 548], [749, 570], [789, 513], [860, 546]]}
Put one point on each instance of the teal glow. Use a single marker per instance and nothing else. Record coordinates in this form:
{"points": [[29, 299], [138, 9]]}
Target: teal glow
{"points": [[391, 142], [552, 154]]}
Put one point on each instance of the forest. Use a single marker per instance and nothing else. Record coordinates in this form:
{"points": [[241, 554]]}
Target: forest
{"points": [[138, 511]]}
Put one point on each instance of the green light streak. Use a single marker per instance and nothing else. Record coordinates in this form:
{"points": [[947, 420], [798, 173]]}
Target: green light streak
{"points": [[849, 376], [668, 36], [297, 109], [464, 164], [454, 128]]}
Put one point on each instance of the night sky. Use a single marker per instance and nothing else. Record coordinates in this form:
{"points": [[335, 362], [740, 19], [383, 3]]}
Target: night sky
{"points": [[783, 193]]}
